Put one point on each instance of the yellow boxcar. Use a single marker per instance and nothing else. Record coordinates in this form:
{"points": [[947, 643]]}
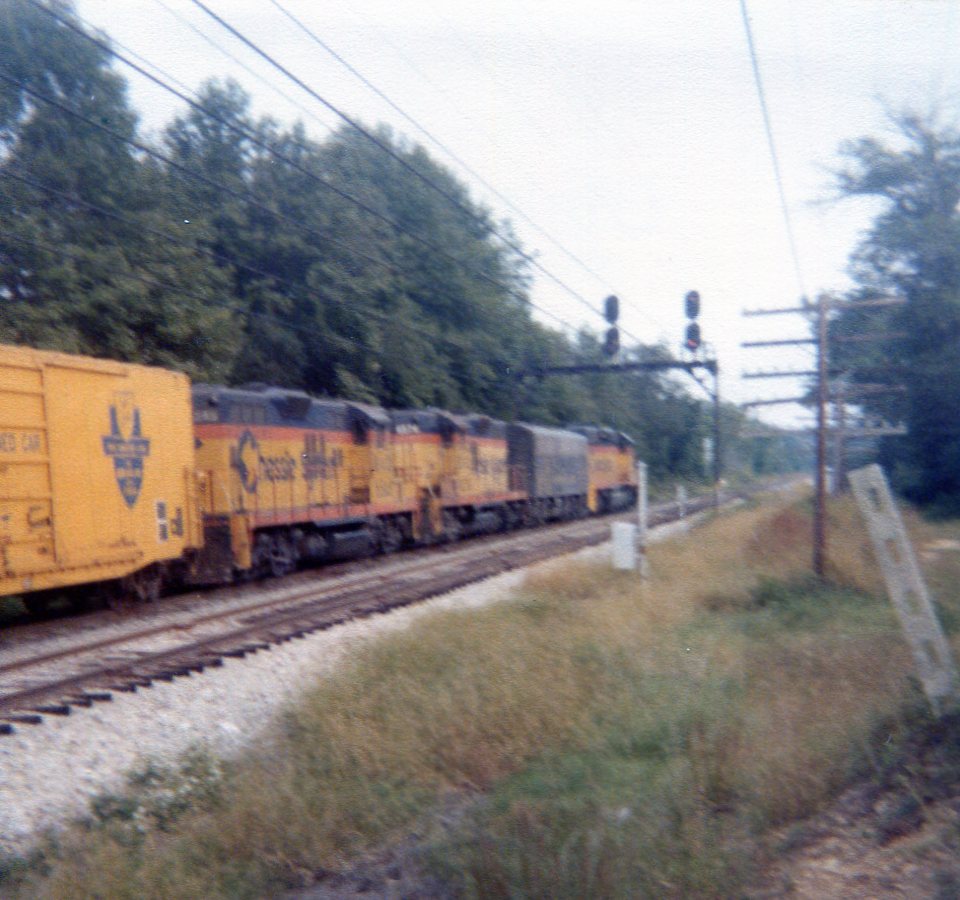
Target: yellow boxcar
{"points": [[96, 472]]}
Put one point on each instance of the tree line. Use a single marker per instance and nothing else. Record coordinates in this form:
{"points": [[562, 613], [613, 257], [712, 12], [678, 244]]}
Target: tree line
{"points": [[239, 250], [902, 362]]}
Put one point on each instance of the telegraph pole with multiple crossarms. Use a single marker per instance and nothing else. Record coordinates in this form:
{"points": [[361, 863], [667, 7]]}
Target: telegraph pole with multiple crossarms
{"points": [[823, 394]]}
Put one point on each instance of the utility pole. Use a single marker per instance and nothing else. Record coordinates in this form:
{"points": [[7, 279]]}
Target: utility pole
{"points": [[820, 476], [821, 310], [840, 436], [820, 504], [717, 448]]}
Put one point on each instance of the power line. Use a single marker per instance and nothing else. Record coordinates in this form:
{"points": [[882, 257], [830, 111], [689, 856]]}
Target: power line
{"points": [[237, 61], [312, 115], [269, 148], [383, 36], [773, 148], [223, 260], [244, 197], [395, 156], [442, 146], [246, 313], [276, 154], [182, 170]]}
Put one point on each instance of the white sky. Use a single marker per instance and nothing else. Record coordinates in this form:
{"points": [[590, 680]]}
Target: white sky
{"points": [[629, 130]]}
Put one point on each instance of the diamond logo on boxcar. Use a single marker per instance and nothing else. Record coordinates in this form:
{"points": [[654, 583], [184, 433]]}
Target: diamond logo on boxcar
{"points": [[246, 460], [127, 447]]}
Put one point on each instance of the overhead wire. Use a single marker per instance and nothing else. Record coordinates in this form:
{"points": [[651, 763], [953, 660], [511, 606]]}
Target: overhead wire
{"points": [[253, 138], [185, 171], [242, 196], [308, 112], [239, 62], [366, 133], [771, 143], [444, 148], [150, 282], [383, 36], [168, 285], [226, 260]]}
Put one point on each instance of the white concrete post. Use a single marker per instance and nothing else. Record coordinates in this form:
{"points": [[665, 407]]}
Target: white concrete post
{"points": [[906, 587], [681, 501], [624, 537], [642, 518]]}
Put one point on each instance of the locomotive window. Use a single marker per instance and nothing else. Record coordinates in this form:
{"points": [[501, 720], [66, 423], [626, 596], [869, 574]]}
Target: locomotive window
{"points": [[250, 414], [206, 415]]}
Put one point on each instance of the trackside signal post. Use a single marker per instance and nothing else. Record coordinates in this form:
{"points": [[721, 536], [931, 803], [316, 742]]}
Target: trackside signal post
{"points": [[692, 342], [611, 347], [654, 365]]}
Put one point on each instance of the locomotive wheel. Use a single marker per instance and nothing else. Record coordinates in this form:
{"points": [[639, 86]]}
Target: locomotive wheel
{"points": [[144, 586], [281, 559], [391, 537], [451, 527], [261, 557]]}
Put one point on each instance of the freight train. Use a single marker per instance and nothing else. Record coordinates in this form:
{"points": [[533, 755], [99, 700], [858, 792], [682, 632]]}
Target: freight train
{"points": [[119, 480]]}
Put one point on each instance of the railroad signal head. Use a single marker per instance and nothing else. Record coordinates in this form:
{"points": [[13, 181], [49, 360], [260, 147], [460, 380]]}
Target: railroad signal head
{"points": [[693, 337], [611, 343], [611, 309], [692, 304]]}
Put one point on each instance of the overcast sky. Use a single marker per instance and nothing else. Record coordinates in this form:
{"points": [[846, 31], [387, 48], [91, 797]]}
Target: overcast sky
{"points": [[629, 131]]}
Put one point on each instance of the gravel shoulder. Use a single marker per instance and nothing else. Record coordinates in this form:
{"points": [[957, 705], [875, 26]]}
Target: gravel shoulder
{"points": [[49, 772]]}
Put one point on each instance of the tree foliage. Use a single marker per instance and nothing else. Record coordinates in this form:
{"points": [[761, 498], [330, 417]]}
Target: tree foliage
{"points": [[911, 252], [238, 250]]}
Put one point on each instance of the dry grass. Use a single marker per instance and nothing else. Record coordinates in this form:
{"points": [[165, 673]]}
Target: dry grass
{"points": [[630, 738]]}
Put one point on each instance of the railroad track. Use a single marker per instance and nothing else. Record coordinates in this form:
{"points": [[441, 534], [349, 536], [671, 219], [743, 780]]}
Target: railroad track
{"points": [[54, 683]]}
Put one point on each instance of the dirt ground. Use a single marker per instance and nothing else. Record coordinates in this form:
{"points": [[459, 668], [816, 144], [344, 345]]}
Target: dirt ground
{"points": [[846, 852], [894, 835]]}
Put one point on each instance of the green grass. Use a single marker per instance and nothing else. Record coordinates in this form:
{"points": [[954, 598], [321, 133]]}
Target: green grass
{"points": [[606, 738], [682, 771]]}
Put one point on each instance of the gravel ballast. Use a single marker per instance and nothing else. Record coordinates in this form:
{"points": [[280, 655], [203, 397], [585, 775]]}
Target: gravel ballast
{"points": [[49, 772]]}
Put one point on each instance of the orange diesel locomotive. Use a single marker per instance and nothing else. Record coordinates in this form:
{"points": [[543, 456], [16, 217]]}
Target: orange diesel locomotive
{"points": [[116, 478]]}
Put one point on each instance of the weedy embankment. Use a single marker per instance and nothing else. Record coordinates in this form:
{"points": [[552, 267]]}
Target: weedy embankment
{"points": [[609, 738]]}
